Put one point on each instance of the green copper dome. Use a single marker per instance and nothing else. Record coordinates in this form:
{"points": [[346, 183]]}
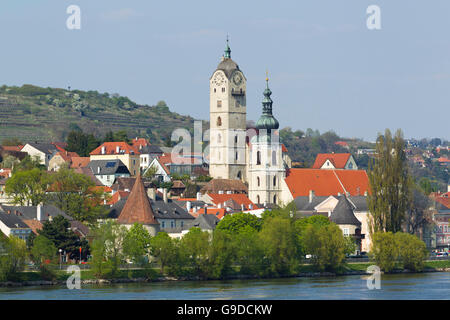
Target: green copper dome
{"points": [[267, 121]]}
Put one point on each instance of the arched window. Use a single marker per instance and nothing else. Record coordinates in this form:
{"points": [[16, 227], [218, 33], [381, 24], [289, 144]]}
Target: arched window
{"points": [[236, 156], [274, 158], [239, 175], [258, 157], [275, 199], [258, 181], [274, 181], [236, 139], [257, 199], [219, 121]]}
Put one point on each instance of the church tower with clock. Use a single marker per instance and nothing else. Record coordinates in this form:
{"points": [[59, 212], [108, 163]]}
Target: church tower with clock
{"points": [[227, 148]]}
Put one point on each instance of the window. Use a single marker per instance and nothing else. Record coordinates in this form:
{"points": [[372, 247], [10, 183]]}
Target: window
{"points": [[236, 139], [274, 199], [346, 232], [236, 156], [274, 158], [257, 198], [239, 175], [223, 89], [214, 89], [172, 224], [163, 224], [219, 103], [274, 181], [219, 138], [258, 157], [258, 181], [219, 121], [350, 165]]}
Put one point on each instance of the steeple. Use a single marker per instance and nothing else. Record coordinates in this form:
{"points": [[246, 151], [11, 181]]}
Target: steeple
{"points": [[267, 120], [227, 51]]}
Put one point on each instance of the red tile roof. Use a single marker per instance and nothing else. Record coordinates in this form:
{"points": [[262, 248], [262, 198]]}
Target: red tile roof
{"points": [[12, 148], [338, 160], [80, 162], [239, 198], [137, 208], [326, 182], [219, 213], [111, 148], [341, 143], [283, 148], [116, 197], [34, 225], [66, 155], [140, 142]]}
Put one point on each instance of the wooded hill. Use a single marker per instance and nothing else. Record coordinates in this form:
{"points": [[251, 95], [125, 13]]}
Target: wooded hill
{"points": [[30, 113]]}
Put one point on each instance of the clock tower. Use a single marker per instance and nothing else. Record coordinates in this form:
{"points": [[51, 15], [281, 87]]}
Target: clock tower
{"points": [[227, 108]]}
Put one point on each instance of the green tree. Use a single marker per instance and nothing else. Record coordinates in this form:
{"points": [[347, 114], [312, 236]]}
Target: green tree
{"points": [[13, 261], [389, 183], [412, 251], [28, 187], [196, 245], [249, 253], [58, 231], [28, 163], [136, 245], [9, 162], [107, 253], [11, 142], [302, 224], [280, 245], [384, 250], [327, 246], [165, 251], [222, 254], [76, 194], [43, 249], [239, 223], [81, 143]]}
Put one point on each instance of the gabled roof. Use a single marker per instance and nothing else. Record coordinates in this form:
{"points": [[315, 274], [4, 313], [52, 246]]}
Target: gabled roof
{"points": [[216, 185], [111, 148], [47, 148], [238, 198], [339, 160], [205, 222], [80, 162], [108, 167], [66, 155], [343, 213], [139, 142], [117, 196], [137, 208], [30, 212], [88, 172], [326, 182], [12, 221]]}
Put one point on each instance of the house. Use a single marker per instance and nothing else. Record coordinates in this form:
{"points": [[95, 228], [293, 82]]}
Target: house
{"points": [[235, 202], [80, 162], [122, 151], [42, 151], [39, 213], [177, 189], [342, 144], [190, 164], [147, 152], [61, 158], [335, 161], [224, 185], [14, 151], [162, 172], [206, 222], [155, 213], [12, 225], [344, 214], [107, 171]]}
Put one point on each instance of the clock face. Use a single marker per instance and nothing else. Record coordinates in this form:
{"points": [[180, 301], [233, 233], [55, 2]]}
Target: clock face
{"points": [[237, 78], [219, 79]]}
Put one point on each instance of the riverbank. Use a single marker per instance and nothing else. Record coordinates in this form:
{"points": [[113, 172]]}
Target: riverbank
{"points": [[137, 275]]}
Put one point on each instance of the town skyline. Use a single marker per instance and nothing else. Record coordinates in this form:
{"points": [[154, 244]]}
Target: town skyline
{"points": [[333, 52]]}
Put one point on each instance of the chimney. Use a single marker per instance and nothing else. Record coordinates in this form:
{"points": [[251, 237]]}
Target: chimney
{"points": [[229, 192], [151, 193], [219, 206], [199, 195], [365, 193], [118, 149], [39, 212], [311, 195], [206, 209], [165, 195], [220, 191], [357, 191], [242, 207], [188, 206], [339, 194], [103, 149]]}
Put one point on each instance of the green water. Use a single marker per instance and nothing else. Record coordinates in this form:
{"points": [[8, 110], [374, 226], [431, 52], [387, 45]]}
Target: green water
{"points": [[400, 286]]}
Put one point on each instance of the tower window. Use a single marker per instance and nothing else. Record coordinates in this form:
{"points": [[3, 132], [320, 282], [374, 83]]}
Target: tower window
{"points": [[239, 175], [274, 181], [214, 89], [258, 157], [236, 139], [223, 89], [219, 121], [258, 181], [274, 199], [236, 156], [257, 199], [219, 103]]}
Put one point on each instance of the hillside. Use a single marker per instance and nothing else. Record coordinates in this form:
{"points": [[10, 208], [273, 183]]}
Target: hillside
{"points": [[32, 113]]}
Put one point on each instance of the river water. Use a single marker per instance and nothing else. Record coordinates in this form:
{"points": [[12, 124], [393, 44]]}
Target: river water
{"points": [[397, 286]]}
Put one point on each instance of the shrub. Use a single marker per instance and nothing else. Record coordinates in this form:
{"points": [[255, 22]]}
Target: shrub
{"points": [[384, 250], [412, 251]]}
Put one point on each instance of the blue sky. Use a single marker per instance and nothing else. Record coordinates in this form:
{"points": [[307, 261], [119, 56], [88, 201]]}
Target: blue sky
{"points": [[327, 70]]}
